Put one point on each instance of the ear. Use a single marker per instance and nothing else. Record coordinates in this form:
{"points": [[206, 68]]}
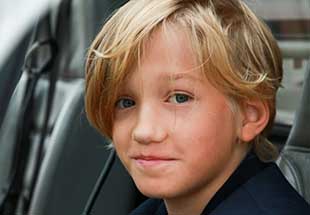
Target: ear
{"points": [[255, 116]]}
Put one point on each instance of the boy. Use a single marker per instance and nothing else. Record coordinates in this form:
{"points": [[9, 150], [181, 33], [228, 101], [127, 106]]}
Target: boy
{"points": [[186, 91]]}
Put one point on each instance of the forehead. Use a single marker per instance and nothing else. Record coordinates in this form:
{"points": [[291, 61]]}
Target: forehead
{"points": [[169, 42], [168, 52]]}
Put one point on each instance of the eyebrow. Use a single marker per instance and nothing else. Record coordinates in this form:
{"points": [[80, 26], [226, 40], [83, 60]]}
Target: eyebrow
{"points": [[178, 76]]}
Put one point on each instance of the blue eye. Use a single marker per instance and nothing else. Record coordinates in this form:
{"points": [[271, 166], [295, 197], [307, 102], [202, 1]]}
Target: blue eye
{"points": [[125, 103], [179, 98]]}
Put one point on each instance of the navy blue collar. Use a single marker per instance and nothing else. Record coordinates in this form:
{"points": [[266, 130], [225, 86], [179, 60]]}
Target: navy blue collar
{"points": [[247, 169]]}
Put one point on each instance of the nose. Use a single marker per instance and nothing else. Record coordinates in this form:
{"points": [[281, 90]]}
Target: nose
{"points": [[149, 127]]}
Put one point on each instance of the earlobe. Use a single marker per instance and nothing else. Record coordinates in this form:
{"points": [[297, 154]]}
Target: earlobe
{"points": [[255, 117]]}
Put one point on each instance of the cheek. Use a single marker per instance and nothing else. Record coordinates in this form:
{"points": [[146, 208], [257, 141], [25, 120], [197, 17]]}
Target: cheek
{"points": [[119, 132], [206, 146], [206, 134], [122, 126], [121, 137]]}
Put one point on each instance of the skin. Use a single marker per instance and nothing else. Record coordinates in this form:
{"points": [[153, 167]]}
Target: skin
{"points": [[174, 132]]}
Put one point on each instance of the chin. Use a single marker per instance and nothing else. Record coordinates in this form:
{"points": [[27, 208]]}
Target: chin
{"points": [[151, 191], [157, 191]]}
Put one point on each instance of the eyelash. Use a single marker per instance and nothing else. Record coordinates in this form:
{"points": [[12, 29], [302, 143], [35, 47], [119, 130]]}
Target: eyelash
{"points": [[175, 94], [130, 102], [120, 105]]}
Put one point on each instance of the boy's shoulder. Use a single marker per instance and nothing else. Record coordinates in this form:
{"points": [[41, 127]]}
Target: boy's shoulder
{"points": [[268, 192]]}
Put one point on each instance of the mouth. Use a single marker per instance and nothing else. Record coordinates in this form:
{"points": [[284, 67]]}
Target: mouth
{"points": [[152, 161]]}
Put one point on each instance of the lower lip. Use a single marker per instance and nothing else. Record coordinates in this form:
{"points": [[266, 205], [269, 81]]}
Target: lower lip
{"points": [[152, 163]]}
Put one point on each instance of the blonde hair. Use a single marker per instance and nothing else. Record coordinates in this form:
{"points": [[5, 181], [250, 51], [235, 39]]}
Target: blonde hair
{"points": [[236, 52]]}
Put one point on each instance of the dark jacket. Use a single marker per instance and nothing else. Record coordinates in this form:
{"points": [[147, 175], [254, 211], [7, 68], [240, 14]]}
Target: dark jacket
{"points": [[255, 188]]}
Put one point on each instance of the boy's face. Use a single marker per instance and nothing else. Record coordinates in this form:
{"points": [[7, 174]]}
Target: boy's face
{"points": [[173, 131]]}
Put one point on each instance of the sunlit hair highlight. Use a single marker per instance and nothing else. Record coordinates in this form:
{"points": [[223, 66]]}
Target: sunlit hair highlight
{"points": [[233, 48]]}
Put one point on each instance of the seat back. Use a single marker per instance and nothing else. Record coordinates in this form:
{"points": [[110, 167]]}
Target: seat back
{"points": [[8, 130], [74, 158], [10, 73], [294, 160]]}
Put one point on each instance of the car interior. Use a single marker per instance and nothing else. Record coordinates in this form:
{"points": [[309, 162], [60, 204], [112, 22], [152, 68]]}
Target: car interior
{"points": [[295, 156], [51, 157]]}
